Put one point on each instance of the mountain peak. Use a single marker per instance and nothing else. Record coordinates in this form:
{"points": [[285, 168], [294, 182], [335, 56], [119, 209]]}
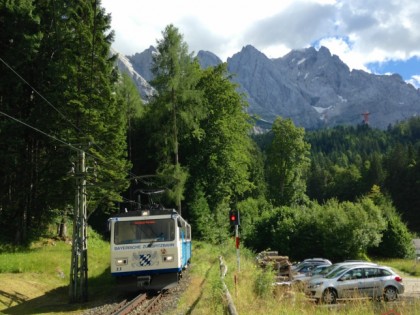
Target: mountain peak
{"points": [[324, 51], [312, 87], [208, 59], [317, 89], [248, 50]]}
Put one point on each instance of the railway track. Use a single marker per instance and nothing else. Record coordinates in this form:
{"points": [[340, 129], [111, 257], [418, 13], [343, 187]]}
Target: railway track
{"points": [[144, 303]]}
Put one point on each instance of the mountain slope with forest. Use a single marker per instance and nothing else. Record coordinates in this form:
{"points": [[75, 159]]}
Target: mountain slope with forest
{"points": [[312, 87]]}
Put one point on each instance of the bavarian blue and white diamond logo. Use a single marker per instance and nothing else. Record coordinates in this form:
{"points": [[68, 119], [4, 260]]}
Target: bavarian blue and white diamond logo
{"points": [[145, 259]]}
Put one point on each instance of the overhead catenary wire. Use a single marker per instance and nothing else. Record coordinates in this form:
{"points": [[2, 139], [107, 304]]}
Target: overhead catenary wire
{"points": [[132, 175], [57, 139], [40, 131], [39, 94], [49, 103]]}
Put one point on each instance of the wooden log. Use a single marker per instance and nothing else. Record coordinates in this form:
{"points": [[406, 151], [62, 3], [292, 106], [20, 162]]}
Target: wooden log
{"points": [[223, 270]]}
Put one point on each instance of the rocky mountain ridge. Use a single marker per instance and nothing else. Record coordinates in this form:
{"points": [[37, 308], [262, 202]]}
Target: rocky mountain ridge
{"points": [[312, 87]]}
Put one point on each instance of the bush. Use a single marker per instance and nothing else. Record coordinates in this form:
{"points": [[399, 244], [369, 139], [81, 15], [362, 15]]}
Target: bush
{"points": [[263, 285], [334, 230], [397, 241]]}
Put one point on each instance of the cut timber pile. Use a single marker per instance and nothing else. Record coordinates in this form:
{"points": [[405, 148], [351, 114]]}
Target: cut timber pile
{"points": [[280, 264]]}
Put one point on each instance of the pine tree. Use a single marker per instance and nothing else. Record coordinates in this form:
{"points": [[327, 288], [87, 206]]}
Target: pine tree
{"points": [[287, 163], [62, 51], [176, 109], [19, 44], [89, 77], [221, 159]]}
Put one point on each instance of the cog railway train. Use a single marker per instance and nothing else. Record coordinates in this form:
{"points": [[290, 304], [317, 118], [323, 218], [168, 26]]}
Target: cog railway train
{"points": [[149, 248]]}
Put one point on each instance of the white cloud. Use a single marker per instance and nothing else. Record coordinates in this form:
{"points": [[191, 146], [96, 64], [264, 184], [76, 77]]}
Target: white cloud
{"points": [[415, 81], [340, 47], [215, 26], [218, 26], [358, 31], [385, 29]]}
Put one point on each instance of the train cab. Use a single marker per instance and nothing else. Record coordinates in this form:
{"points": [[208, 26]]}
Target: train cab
{"points": [[149, 248]]}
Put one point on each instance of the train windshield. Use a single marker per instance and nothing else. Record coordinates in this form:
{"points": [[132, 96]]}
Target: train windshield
{"points": [[144, 231]]}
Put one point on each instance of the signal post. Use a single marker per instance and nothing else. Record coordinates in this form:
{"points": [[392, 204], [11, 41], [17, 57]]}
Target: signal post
{"points": [[235, 221]]}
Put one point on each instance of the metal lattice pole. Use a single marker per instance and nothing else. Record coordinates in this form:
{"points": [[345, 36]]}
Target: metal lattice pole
{"points": [[79, 266]]}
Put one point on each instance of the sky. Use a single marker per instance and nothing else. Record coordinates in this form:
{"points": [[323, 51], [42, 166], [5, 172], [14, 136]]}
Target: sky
{"points": [[377, 36]]}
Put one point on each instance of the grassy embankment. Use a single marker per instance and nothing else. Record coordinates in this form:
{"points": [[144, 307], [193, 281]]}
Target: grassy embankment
{"points": [[253, 293], [36, 282]]}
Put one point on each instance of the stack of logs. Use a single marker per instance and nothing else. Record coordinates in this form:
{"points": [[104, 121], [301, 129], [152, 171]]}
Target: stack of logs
{"points": [[280, 264]]}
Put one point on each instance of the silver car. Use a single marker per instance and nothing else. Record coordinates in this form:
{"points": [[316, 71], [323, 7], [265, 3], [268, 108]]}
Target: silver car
{"points": [[356, 281], [305, 277], [302, 280]]}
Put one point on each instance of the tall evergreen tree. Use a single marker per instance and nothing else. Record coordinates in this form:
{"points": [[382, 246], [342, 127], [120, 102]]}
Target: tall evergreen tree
{"points": [[68, 95], [221, 159], [19, 45], [176, 109], [287, 163], [89, 80]]}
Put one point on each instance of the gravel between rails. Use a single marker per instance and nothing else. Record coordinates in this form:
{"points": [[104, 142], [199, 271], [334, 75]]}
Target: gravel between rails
{"points": [[168, 303]]}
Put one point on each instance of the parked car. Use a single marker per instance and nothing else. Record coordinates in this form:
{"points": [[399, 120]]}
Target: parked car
{"points": [[301, 277], [356, 281], [342, 265], [308, 264], [314, 271], [318, 261], [300, 280]]}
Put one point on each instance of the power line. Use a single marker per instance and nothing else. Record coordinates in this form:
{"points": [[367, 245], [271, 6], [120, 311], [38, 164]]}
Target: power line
{"points": [[132, 175], [40, 131], [66, 144], [40, 95], [50, 104]]}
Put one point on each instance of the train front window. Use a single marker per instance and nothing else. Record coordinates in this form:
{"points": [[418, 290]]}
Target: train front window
{"points": [[144, 231]]}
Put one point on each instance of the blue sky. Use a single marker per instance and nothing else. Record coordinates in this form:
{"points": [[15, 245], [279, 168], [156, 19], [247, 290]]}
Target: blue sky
{"points": [[378, 36], [406, 68]]}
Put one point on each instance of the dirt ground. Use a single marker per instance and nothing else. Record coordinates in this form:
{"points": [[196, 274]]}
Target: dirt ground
{"points": [[412, 287]]}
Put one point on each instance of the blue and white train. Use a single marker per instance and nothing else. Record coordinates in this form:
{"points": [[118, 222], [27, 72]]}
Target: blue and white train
{"points": [[149, 248]]}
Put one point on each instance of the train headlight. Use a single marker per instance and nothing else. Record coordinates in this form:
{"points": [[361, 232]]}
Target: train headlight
{"points": [[168, 258], [121, 261]]}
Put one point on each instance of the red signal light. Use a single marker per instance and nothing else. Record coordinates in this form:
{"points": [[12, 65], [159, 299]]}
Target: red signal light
{"points": [[234, 217]]}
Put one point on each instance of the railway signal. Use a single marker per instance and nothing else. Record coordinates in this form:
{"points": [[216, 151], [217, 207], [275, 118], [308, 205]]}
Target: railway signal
{"points": [[234, 221], [234, 217]]}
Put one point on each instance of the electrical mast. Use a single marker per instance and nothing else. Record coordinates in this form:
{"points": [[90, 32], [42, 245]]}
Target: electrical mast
{"points": [[366, 118], [79, 266]]}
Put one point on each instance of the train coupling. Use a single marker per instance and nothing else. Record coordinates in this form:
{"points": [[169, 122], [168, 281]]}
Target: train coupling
{"points": [[143, 281]]}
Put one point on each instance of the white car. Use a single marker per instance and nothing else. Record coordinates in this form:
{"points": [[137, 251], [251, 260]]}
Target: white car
{"points": [[356, 281]]}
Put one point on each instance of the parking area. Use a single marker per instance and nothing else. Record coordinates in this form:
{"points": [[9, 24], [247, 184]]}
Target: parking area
{"points": [[412, 287]]}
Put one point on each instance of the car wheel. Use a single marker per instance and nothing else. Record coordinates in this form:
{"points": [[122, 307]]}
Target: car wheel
{"points": [[390, 294], [329, 296]]}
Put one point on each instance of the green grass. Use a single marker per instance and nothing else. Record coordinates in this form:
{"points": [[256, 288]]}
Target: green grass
{"points": [[251, 289], [408, 266], [50, 256], [47, 265], [43, 276]]}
